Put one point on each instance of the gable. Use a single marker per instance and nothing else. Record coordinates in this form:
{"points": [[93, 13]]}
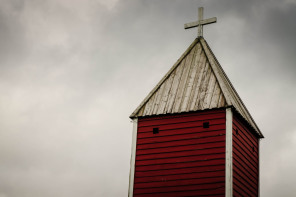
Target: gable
{"points": [[196, 82]]}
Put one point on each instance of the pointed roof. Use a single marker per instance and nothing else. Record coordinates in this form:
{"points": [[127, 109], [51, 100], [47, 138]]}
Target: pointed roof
{"points": [[195, 82]]}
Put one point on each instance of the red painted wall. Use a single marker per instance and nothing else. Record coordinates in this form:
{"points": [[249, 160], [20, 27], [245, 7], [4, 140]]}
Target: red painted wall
{"points": [[245, 160], [183, 159]]}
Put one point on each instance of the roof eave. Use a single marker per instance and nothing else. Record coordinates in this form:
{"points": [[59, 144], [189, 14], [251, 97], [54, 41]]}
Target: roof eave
{"points": [[256, 130], [213, 60]]}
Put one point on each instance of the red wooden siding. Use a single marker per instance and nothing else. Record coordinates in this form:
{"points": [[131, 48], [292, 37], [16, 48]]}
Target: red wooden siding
{"points": [[183, 159], [245, 160]]}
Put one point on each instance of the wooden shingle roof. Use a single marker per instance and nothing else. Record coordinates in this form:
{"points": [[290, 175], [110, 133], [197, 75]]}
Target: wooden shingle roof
{"points": [[195, 82]]}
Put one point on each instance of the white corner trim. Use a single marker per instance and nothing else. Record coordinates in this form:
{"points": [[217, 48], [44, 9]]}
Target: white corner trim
{"points": [[133, 158], [259, 167], [228, 155]]}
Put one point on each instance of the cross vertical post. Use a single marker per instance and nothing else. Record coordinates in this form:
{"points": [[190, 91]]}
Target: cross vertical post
{"points": [[200, 23], [200, 18]]}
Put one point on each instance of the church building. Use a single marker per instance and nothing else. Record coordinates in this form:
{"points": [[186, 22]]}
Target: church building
{"points": [[193, 135]]}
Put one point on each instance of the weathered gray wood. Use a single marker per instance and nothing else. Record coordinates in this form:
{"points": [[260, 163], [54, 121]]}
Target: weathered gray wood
{"points": [[231, 96], [164, 78], [148, 106], [197, 68], [209, 92], [202, 87], [190, 80], [157, 99], [174, 89], [215, 97], [208, 87], [200, 17], [141, 112], [182, 83], [220, 100], [200, 22], [212, 62], [167, 87], [196, 82]]}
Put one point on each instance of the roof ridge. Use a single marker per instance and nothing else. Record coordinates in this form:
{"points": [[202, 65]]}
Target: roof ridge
{"points": [[237, 100], [211, 58], [195, 82]]}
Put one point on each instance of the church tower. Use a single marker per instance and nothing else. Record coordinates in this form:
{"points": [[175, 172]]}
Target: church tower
{"points": [[193, 135]]}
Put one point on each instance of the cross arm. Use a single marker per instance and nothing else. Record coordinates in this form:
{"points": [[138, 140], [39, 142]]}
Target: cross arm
{"points": [[201, 22]]}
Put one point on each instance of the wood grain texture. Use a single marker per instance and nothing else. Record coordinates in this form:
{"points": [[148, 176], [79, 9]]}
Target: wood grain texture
{"points": [[196, 82]]}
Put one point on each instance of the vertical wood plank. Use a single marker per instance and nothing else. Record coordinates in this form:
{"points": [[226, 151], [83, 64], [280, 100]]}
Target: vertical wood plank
{"points": [[190, 80], [203, 88], [221, 100], [157, 99], [133, 158], [217, 71], [148, 105], [164, 98], [141, 111], [209, 91], [215, 97], [175, 84], [198, 81], [228, 155], [165, 77], [182, 83]]}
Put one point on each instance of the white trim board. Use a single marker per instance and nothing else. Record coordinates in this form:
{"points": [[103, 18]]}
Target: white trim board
{"points": [[133, 158], [228, 155], [259, 140]]}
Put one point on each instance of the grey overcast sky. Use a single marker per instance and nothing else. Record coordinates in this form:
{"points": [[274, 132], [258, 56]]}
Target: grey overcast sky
{"points": [[72, 71]]}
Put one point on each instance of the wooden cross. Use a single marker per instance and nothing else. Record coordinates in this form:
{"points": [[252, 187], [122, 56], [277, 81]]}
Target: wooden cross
{"points": [[201, 22]]}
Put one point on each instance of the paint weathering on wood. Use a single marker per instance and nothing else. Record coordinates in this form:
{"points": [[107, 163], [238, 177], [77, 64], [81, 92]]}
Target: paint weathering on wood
{"points": [[184, 86], [196, 82]]}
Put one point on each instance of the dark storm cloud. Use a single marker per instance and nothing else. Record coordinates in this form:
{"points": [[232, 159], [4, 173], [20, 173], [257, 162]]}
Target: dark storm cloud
{"points": [[12, 39], [266, 23], [280, 28], [266, 46]]}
